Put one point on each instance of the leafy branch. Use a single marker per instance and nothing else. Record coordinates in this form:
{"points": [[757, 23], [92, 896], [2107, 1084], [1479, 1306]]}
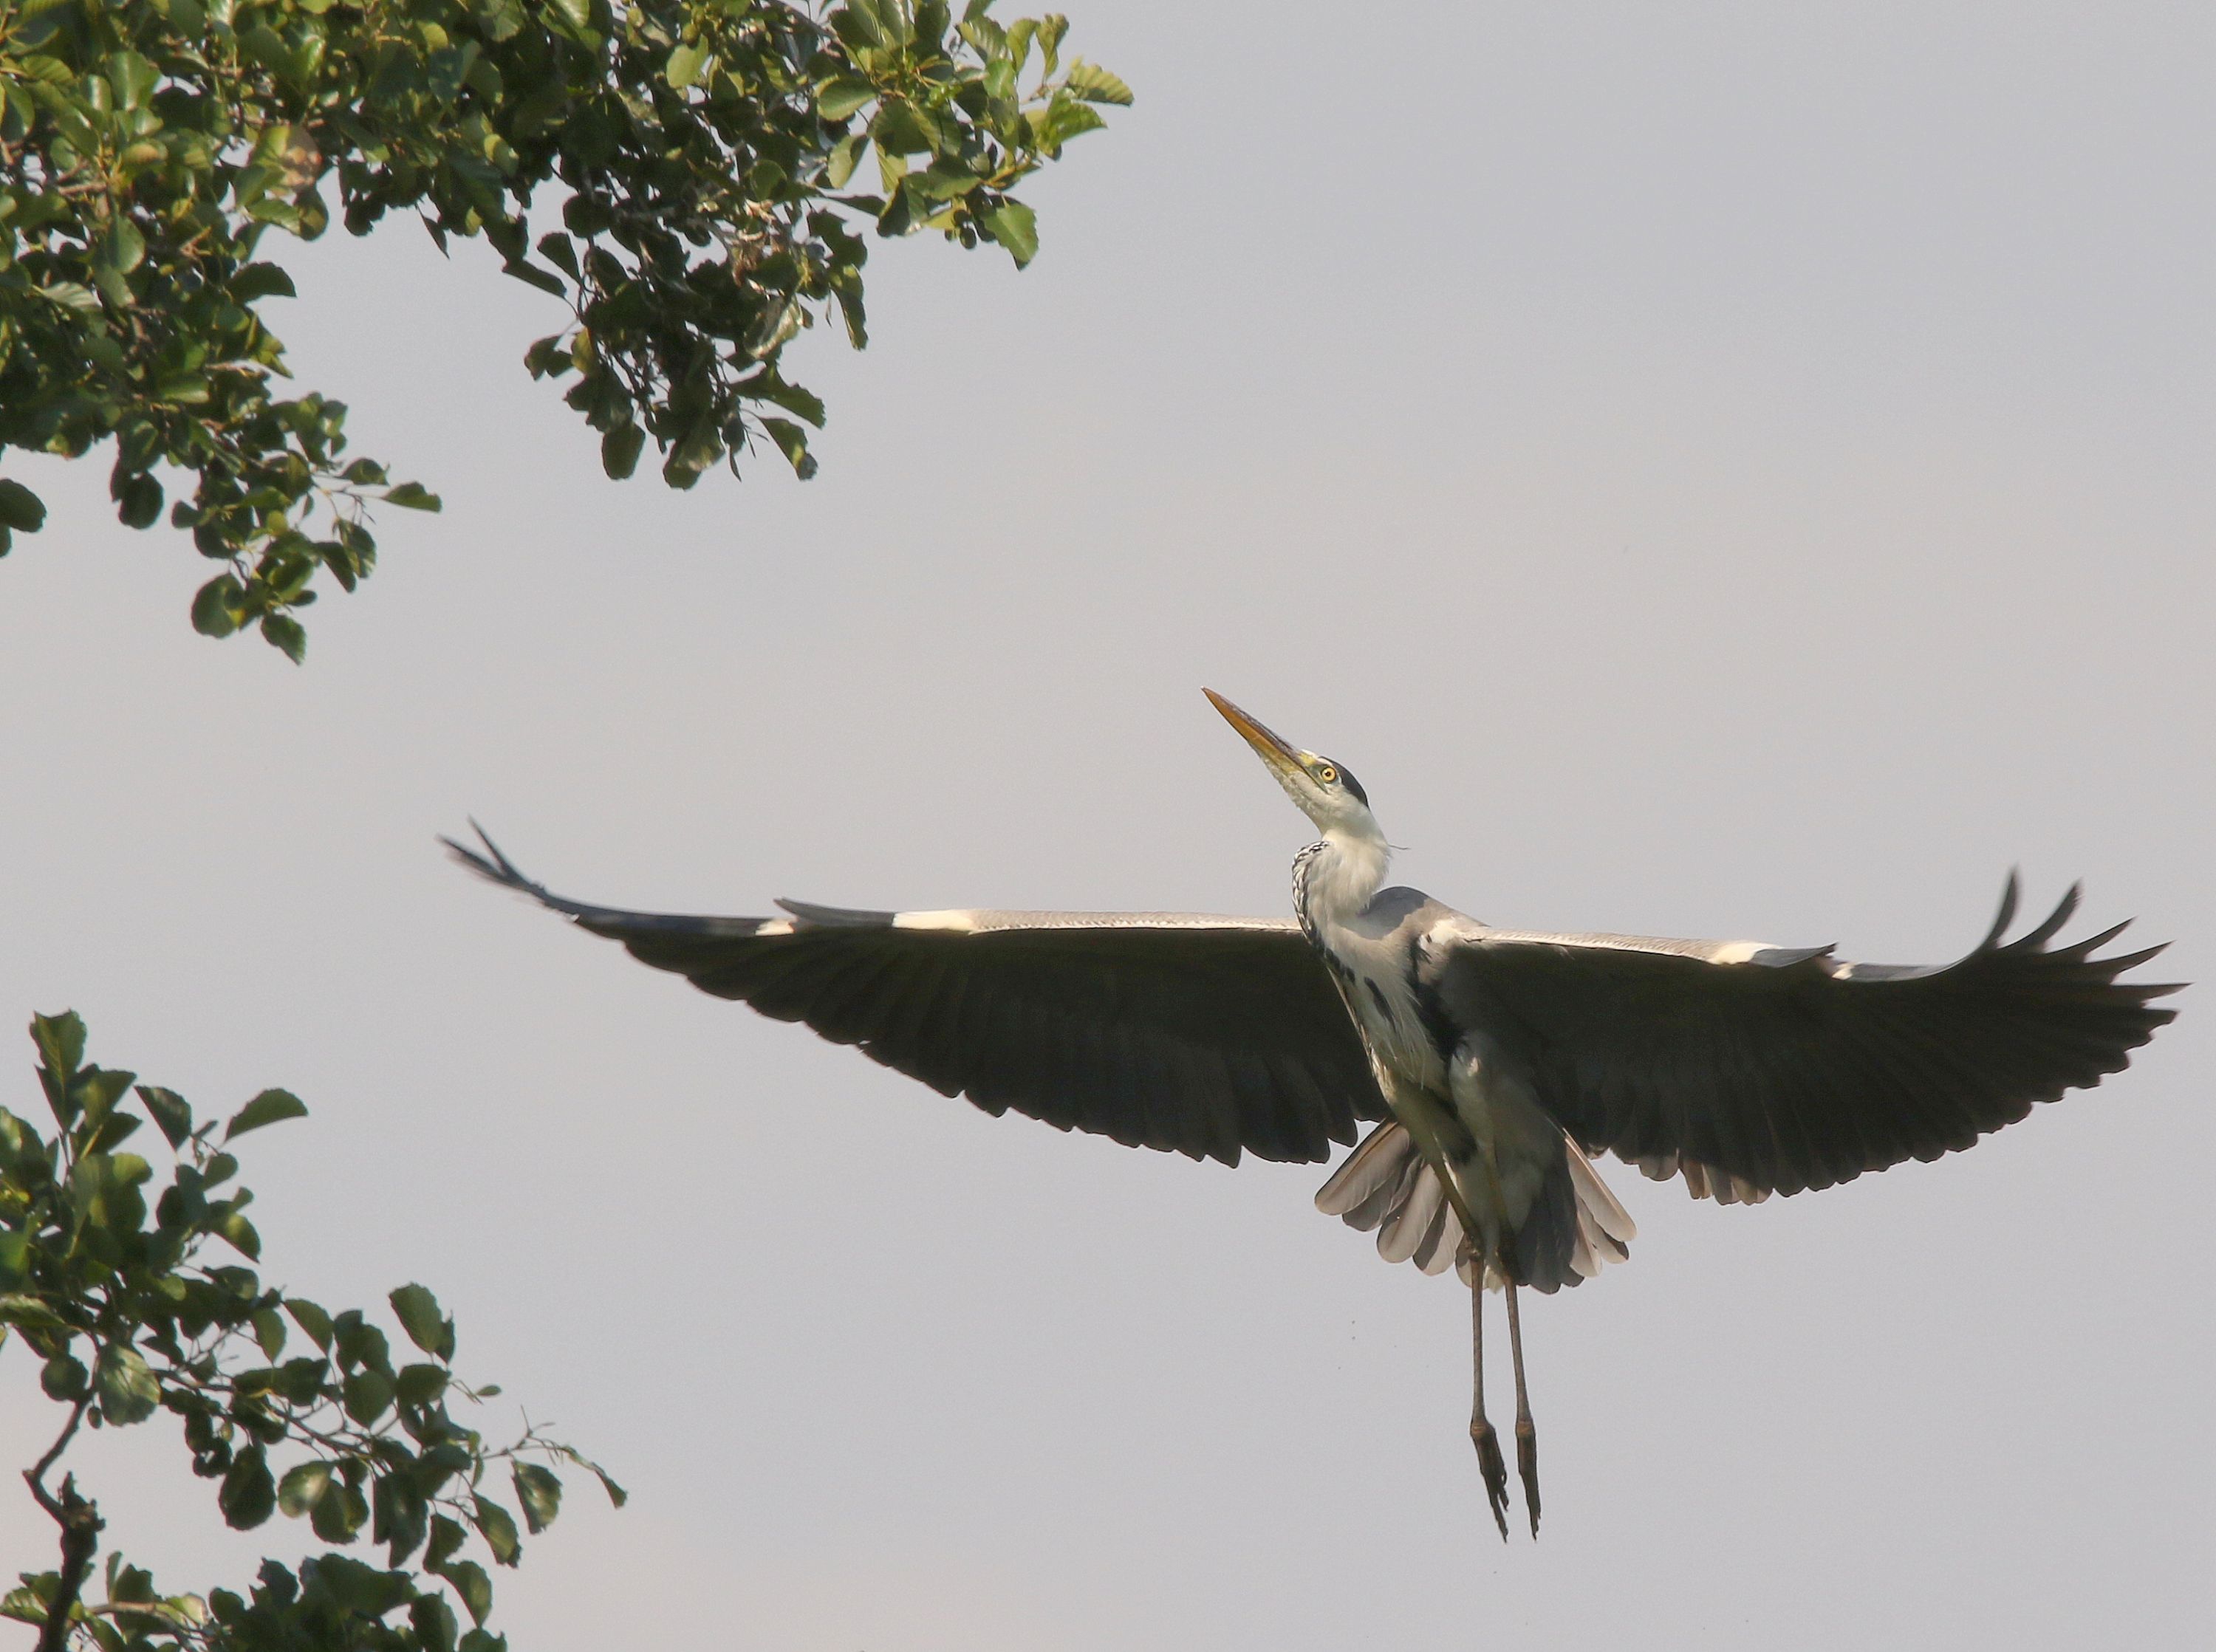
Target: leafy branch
{"points": [[129, 1315], [702, 151]]}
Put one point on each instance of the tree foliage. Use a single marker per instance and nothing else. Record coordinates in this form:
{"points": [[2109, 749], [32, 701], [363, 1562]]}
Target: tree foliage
{"points": [[109, 1284], [702, 155]]}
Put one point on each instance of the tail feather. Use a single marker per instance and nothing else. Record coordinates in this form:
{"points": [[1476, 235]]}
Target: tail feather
{"points": [[1574, 1229], [1442, 1242], [1374, 1173], [1406, 1227]]}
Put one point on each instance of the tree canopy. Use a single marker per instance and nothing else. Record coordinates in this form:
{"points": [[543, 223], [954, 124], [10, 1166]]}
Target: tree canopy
{"points": [[683, 174], [686, 174], [127, 1297]]}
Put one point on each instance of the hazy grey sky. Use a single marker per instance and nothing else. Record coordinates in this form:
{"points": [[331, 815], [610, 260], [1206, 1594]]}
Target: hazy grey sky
{"points": [[1729, 469]]}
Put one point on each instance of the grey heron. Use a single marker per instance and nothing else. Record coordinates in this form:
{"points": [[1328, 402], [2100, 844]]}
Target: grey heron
{"points": [[1492, 1063]]}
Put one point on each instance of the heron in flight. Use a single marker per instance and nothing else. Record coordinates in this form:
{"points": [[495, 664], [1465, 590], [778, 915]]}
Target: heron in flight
{"points": [[1492, 1063]]}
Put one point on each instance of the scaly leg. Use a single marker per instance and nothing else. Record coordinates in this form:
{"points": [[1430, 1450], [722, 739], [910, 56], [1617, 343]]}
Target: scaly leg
{"points": [[1527, 1437], [1480, 1432]]}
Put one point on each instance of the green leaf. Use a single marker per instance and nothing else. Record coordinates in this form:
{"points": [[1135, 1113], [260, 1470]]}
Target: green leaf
{"points": [[769, 333], [64, 1378], [402, 1516], [287, 635], [544, 281], [844, 155], [431, 1618], [118, 1127], [838, 98], [128, 1390], [20, 1308], [578, 12], [497, 1527], [270, 1107], [61, 1040], [792, 441], [138, 501], [541, 1494], [14, 1248], [420, 1385], [125, 248], [619, 451], [418, 1310], [446, 1542], [258, 281], [469, 1581], [684, 66], [558, 250], [72, 295], [1063, 118], [311, 1319], [793, 398], [239, 1233], [414, 496], [132, 78], [367, 1395], [20, 508], [303, 1488], [96, 1090], [616, 1494], [248, 1496], [1015, 226], [168, 1111], [901, 128], [339, 1513], [216, 606], [1095, 84], [268, 1332], [360, 1343]]}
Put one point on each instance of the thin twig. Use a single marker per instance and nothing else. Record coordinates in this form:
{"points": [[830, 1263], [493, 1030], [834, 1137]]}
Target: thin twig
{"points": [[36, 1476]]}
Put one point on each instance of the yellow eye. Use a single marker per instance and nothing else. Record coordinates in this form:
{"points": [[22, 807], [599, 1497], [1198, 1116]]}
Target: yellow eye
{"points": [[1328, 775]]}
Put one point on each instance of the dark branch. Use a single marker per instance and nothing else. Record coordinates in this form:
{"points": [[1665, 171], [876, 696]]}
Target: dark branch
{"points": [[36, 1476], [79, 1520]]}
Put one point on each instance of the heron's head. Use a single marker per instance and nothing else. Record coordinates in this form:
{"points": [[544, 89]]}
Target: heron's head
{"points": [[1326, 792]]}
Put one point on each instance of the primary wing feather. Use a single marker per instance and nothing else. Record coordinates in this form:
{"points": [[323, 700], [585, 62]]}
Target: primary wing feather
{"points": [[1209, 1036], [1788, 1069]]}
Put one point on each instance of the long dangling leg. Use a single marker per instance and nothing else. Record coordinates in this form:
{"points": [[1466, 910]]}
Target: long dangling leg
{"points": [[1480, 1432], [1527, 1437]]}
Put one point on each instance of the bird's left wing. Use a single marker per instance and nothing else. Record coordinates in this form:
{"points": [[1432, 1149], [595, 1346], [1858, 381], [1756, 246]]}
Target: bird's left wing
{"points": [[1193, 1034], [1786, 1068]]}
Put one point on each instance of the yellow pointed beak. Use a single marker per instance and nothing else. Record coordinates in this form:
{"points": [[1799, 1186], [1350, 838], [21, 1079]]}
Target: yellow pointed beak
{"points": [[1282, 759]]}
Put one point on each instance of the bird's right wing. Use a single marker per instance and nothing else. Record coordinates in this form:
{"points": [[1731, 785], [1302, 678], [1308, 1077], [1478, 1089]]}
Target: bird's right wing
{"points": [[1782, 1069], [1192, 1034]]}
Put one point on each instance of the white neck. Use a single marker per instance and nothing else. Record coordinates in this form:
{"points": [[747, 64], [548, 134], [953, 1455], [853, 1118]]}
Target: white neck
{"points": [[1344, 871]]}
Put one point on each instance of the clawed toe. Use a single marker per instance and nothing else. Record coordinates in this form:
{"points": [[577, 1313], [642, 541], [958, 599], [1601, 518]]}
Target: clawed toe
{"points": [[1495, 1471]]}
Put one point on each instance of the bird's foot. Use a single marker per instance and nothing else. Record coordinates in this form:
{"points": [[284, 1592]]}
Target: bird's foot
{"points": [[1527, 1468], [1494, 1471]]}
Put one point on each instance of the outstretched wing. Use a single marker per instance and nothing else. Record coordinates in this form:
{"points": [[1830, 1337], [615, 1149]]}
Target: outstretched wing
{"points": [[1193, 1034], [1792, 1069]]}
